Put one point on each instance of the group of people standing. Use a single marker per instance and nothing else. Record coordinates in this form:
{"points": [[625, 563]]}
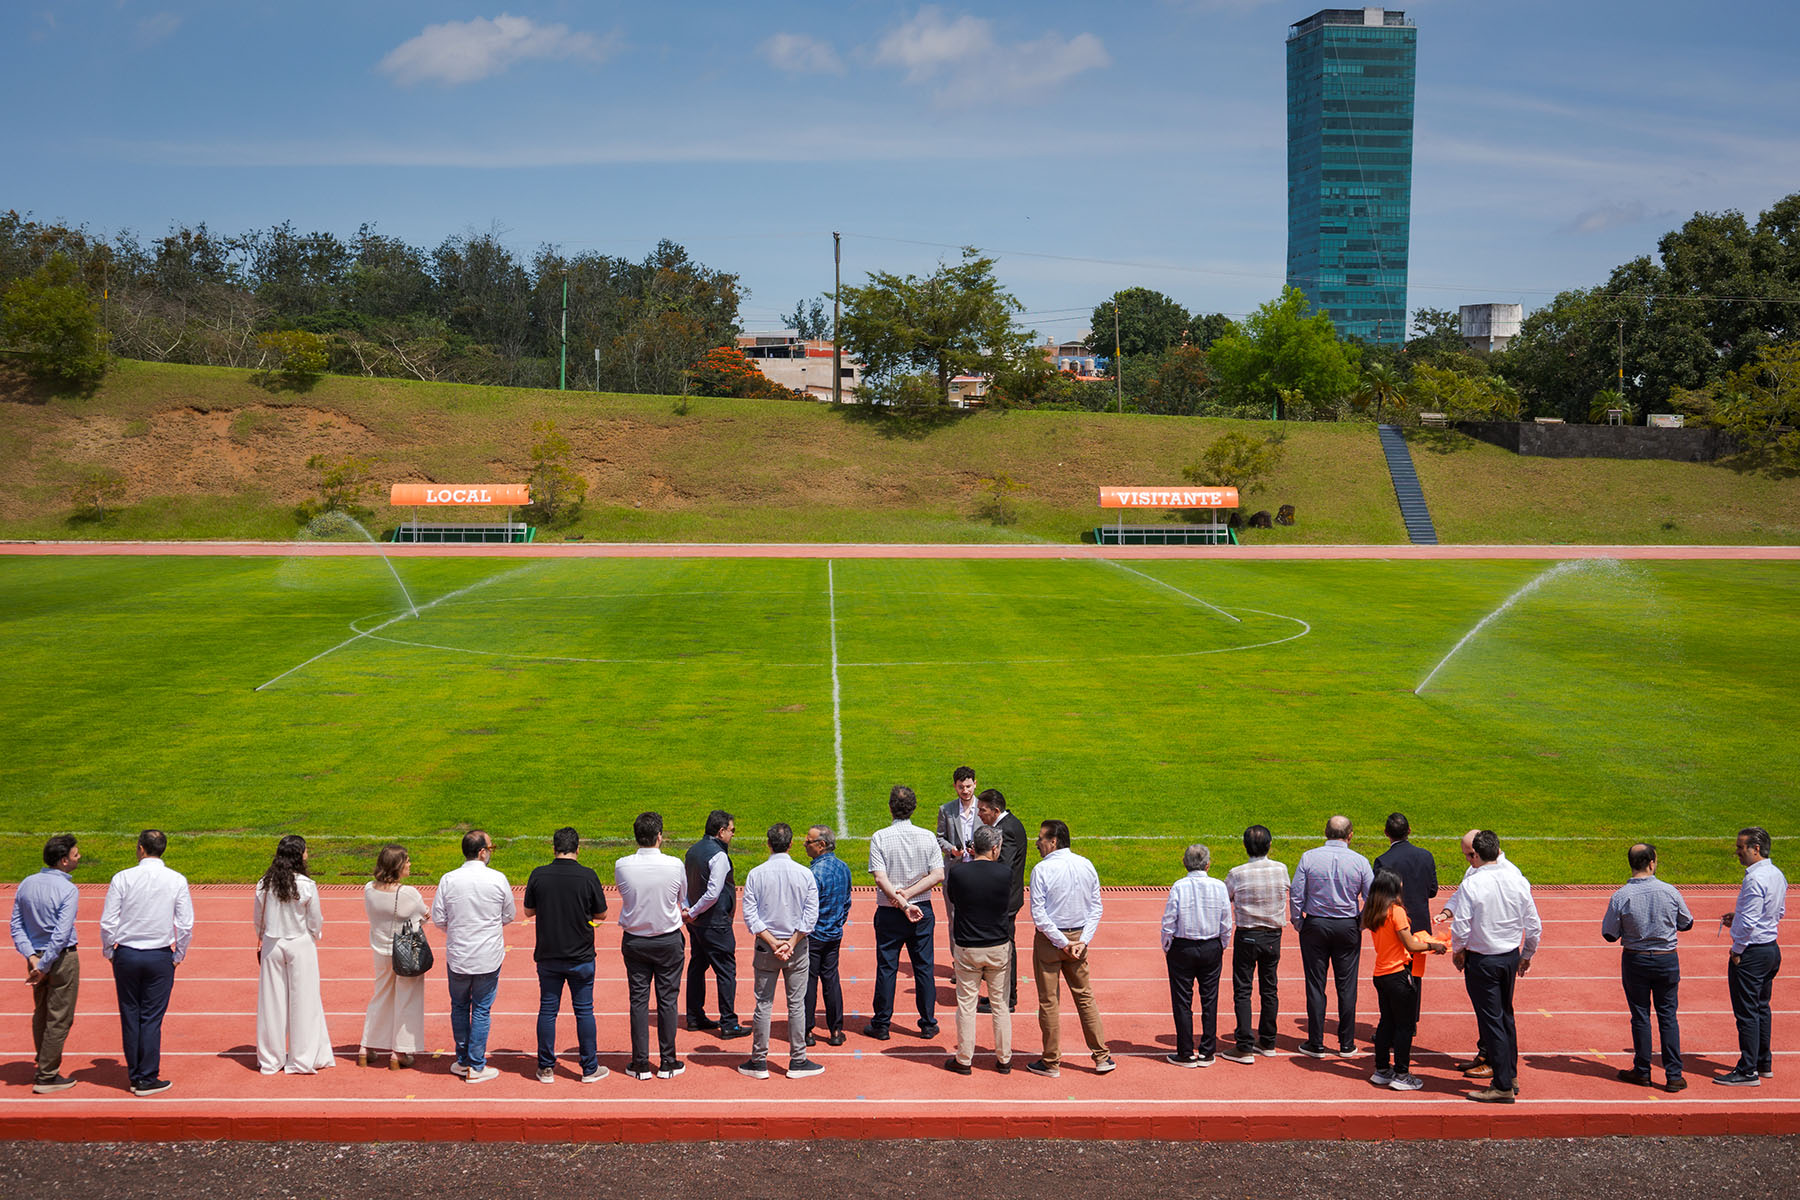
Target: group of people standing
{"points": [[680, 912]]}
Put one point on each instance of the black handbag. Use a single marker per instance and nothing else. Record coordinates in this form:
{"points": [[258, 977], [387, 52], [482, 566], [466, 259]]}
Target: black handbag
{"points": [[412, 953]]}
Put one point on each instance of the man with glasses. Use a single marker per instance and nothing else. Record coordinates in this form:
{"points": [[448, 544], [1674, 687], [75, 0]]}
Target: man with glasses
{"points": [[1481, 1066], [833, 877]]}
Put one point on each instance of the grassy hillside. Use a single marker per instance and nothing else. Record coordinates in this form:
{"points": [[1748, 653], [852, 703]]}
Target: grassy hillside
{"points": [[206, 453]]}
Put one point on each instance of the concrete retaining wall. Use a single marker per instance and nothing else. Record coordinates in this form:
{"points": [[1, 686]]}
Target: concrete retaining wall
{"points": [[1599, 441]]}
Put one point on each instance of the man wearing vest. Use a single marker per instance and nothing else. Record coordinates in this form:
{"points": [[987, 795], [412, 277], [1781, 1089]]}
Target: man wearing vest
{"points": [[712, 888]]}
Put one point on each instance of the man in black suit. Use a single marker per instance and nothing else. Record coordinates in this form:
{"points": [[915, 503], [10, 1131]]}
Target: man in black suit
{"points": [[991, 807], [1417, 870]]}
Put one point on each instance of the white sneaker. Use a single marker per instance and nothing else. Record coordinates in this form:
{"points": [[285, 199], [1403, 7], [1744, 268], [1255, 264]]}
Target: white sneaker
{"points": [[483, 1075], [547, 1076], [461, 1069], [1382, 1079], [1406, 1083], [1267, 1051]]}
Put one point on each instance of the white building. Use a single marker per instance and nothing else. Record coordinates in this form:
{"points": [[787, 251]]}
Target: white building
{"points": [[1490, 328], [783, 356]]}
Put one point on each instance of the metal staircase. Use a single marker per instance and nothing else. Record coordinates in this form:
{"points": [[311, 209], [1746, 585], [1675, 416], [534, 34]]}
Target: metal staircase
{"points": [[1419, 529]]}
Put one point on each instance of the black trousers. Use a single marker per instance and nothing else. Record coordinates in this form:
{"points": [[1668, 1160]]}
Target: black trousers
{"points": [[1195, 964], [1335, 943], [1255, 955], [715, 947], [892, 932], [1652, 982], [652, 960], [1489, 979], [822, 964], [143, 979], [1752, 980], [1398, 995]]}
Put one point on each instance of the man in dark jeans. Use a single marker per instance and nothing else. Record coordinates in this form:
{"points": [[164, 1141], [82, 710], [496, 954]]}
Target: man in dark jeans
{"points": [[567, 902], [1417, 870], [1259, 903], [833, 876], [712, 901]]}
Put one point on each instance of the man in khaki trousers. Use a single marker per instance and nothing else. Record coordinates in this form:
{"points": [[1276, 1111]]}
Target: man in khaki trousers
{"points": [[1065, 908]]}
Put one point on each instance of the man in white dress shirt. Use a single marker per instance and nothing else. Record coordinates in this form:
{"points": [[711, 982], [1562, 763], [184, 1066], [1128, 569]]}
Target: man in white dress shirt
{"points": [[144, 932], [472, 906], [1196, 926], [1065, 907], [781, 906], [653, 896], [1493, 936]]}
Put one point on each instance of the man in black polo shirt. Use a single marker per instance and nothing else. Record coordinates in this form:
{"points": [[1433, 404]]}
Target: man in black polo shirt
{"points": [[565, 899], [1417, 870], [981, 906]]}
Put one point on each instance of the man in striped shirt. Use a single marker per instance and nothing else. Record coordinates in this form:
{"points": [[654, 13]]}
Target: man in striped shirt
{"points": [[1259, 903], [1195, 926]]}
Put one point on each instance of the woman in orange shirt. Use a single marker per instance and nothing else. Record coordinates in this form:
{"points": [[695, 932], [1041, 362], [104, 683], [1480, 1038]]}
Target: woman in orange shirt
{"points": [[1395, 944]]}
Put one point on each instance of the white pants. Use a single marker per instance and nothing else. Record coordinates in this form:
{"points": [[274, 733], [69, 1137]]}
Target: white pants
{"points": [[396, 1019], [290, 1016]]}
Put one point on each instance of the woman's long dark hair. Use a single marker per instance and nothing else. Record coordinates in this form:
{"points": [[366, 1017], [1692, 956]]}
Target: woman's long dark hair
{"points": [[290, 860], [1384, 893]]}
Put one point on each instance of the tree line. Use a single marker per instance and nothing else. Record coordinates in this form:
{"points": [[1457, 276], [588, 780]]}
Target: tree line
{"points": [[466, 311]]}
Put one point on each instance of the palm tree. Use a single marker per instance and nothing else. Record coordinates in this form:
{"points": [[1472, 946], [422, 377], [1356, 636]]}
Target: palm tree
{"points": [[1380, 385]]}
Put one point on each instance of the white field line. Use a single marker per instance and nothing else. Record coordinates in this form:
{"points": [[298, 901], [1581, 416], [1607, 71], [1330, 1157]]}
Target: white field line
{"points": [[1171, 587], [400, 617], [837, 701]]}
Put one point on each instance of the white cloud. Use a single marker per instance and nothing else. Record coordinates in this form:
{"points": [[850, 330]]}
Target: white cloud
{"points": [[459, 52], [963, 60], [1613, 216], [152, 30], [801, 54], [931, 41]]}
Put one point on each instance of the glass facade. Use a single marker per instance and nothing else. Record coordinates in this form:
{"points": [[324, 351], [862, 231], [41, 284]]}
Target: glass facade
{"points": [[1350, 75]]}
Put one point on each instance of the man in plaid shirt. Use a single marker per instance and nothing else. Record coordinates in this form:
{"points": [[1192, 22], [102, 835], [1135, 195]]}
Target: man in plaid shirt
{"points": [[1259, 904]]}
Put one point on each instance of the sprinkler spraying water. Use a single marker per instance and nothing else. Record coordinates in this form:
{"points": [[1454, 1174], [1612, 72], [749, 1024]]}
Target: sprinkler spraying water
{"points": [[1555, 572], [329, 523]]}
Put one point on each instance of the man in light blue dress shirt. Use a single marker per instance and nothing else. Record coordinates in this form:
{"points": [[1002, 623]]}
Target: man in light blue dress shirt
{"points": [[1755, 957], [43, 931], [1330, 885]]}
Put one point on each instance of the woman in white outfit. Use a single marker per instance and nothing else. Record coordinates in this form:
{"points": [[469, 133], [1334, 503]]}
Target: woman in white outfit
{"points": [[290, 1016], [396, 1020]]}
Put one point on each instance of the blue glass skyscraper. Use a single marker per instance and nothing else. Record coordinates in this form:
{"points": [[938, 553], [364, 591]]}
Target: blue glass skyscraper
{"points": [[1350, 75]]}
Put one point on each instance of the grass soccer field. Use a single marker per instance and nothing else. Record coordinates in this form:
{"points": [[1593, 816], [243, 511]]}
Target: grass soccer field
{"points": [[1148, 705]]}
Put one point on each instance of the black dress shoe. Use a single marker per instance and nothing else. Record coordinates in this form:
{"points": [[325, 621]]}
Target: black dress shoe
{"points": [[734, 1031], [982, 1006], [811, 1039], [1641, 1078], [699, 1024], [878, 1032], [929, 1031], [836, 1039]]}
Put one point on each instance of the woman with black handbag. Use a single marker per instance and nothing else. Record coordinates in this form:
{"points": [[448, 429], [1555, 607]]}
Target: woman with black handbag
{"points": [[290, 1015], [396, 1017]]}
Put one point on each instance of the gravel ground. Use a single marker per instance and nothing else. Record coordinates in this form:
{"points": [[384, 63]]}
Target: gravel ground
{"points": [[1640, 1168]]}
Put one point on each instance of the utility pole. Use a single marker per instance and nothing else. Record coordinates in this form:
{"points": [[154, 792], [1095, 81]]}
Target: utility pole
{"points": [[562, 371], [1118, 358], [1621, 362], [837, 285]]}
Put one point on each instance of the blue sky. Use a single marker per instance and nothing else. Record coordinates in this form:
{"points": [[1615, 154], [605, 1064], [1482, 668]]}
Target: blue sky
{"points": [[1091, 147]]}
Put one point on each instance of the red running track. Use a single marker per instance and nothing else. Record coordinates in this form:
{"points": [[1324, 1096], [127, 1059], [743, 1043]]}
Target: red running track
{"points": [[1035, 550], [1571, 1016]]}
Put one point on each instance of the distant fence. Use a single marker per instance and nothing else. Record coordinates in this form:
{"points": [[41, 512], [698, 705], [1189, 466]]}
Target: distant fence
{"points": [[1600, 441]]}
